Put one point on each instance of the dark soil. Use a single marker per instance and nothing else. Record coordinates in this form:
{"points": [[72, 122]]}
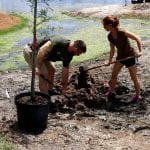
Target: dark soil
{"points": [[38, 100], [84, 118]]}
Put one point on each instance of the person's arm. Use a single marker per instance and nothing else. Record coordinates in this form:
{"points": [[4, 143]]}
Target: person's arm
{"points": [[65, 75], [41, 55], [138, 41]]}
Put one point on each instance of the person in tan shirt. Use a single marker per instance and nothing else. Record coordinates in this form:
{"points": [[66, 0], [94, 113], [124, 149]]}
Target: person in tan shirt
{"points": [[50, 50], [119, 39]]}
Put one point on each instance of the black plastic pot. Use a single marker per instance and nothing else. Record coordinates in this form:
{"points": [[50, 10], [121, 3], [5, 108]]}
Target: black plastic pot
{"points": [[32, 117]]}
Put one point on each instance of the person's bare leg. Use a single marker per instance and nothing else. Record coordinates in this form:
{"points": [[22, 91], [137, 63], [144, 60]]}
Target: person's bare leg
{"points": [[48, 71], [50, 74], [134, 77], [115, 71], [43, 85]]}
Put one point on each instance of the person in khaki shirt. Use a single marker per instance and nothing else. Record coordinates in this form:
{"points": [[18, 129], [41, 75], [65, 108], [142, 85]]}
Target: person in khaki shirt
{"points": [[50, 50]]}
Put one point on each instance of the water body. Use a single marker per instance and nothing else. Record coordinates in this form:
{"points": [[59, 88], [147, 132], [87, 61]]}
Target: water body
{"points": [[21, 5], [65, 27]]}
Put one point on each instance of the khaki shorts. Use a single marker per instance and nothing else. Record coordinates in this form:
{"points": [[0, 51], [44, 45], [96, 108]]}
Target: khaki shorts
{"points": [[27, 53]]}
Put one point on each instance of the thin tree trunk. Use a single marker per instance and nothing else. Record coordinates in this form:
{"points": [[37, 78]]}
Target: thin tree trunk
{"points": [[34, 52], [125, 3]]}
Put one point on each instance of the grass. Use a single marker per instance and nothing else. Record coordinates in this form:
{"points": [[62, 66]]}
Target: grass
{"points": [[96, 42], [23, 23], [10, 39], [94, 35], [4, 145], [11, 36]]}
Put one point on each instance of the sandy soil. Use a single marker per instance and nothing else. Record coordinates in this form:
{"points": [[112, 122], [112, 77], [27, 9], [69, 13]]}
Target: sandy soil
{"points": [[85, 119], [7, 21]]}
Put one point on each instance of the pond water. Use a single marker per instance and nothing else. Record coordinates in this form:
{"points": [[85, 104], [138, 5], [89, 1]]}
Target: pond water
{"points": [[64, 27], [21, 5]]}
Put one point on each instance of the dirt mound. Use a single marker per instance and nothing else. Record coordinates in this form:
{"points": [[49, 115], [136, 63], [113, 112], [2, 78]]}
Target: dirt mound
{"points": [[8, 21]]}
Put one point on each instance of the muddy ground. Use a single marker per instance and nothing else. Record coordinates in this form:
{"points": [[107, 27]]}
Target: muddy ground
{"points": [[84, 119]]}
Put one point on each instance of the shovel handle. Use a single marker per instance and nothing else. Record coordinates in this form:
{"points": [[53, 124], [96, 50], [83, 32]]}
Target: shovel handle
{"points": [[110, 63], [47, 80]]}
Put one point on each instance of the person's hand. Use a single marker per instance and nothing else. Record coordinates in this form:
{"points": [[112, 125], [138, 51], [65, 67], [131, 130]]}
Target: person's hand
{"points": [[107, 64], [139, 54]]}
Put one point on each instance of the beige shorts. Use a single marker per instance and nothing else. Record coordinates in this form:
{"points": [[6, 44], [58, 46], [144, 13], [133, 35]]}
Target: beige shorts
{"points": [[27, 53]]}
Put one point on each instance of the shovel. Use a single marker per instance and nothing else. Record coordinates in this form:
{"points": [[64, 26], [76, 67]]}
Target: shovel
{"points": [[49, 82], [83, 69]]}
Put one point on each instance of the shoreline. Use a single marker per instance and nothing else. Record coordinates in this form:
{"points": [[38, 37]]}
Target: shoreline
{"points": [[130, 10]]}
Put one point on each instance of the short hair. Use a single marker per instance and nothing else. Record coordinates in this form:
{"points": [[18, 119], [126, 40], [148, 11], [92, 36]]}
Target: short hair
{"points": [[79, 44], [113, 20]]}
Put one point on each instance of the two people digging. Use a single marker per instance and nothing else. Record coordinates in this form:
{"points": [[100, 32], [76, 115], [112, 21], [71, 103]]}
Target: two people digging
{"points": [[56, 48]]}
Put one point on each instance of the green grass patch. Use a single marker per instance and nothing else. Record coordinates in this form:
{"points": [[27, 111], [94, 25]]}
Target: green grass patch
{"points": [[4, 145], [9, 38], [93, 34], [15, 62], [23, 23], [95, 39], [10, 64], [139, 27]]}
